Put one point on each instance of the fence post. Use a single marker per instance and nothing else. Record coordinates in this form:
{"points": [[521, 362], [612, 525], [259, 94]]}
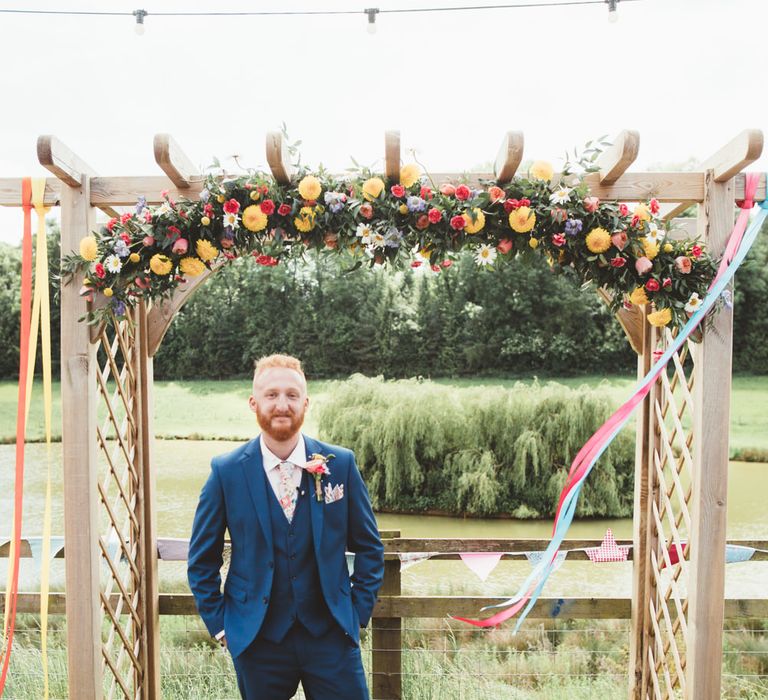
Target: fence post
{"points": [[386, 656]]}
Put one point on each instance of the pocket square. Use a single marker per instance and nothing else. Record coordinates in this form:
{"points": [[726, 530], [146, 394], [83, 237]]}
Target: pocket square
{"points": [[334, 493]]}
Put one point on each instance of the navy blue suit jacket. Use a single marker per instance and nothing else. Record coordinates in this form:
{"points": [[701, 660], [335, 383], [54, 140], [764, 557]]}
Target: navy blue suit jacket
{"points": [[234, 498]]}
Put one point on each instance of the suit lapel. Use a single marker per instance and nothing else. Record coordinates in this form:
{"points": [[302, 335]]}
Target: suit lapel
{"points": [[253, 469], [315, 506]]}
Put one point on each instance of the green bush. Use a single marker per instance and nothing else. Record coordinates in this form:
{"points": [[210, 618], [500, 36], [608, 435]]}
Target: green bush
{"points": [[479, 451]]}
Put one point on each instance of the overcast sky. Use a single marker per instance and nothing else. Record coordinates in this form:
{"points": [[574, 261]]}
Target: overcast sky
{"points": [[687, 74]]}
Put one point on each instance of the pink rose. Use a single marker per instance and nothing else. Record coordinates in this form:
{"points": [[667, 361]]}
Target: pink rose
{"points": [[447, 189], [426, 192], [654, 204], [148, 241], [623, 209], [397, 190], [458, 222], [435, 268], [683, 263], [652, 285], [284, 210], [422, 222], [125, 218], [643, 266], [696, 251], [496, 194], [366, 211], [667, 283], [435, 215], [446, 264], [416, 263], [559, 240], [504, 246], [591, 204], [620, 239], [510, 205], [463, 192], [231, 206], [180, 246], [618, 261], [316, 466]]}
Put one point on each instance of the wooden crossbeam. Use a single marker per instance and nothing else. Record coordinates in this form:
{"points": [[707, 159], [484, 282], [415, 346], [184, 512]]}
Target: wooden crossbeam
{"points": [[509, 157], [392, 155], [277, 158], [616, 160], [174, 162]]}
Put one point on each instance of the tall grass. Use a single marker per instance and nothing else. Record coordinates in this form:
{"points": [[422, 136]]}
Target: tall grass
{"points": [[425, 446]]}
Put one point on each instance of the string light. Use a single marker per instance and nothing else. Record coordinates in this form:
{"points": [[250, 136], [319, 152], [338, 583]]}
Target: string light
{"points": [[140, 15], [372, 12], [612, 16]]}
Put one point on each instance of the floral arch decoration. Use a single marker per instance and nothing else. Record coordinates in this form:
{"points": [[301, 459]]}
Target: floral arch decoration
{"points": [[365, 218]]}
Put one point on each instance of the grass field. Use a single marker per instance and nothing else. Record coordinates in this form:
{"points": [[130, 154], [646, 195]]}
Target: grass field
{"points": [[218, 410]]}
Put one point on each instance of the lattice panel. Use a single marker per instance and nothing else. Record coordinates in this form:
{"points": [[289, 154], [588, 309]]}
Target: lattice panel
{"points": [[671, 480], [119, 487]]}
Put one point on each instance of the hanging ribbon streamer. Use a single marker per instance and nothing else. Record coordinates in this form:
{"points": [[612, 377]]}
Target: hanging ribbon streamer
{"points": [[12, 583], [736, 250]]}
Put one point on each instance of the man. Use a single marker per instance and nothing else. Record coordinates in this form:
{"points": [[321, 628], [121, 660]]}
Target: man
{"points": [[288, 613]]}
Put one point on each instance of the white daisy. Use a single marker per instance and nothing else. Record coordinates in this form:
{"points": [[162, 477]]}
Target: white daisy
{"points": [[694, 303], [231, 220], [377, 240], [655, 234], [113, 264], [364, 233], [163, 209], [485, 255], [560, 196]]}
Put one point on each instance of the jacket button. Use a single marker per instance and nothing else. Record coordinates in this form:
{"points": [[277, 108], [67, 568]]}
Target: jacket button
{"points": [[265, 600]]}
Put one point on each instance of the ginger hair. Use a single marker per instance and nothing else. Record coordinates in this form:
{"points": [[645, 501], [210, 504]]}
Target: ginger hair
{"points": [[277, 360]]}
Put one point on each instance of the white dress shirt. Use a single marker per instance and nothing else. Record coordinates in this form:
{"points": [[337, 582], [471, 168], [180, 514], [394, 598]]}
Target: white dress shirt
{"points": [[271, 466]]}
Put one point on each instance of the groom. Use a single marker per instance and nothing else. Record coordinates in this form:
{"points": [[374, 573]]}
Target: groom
{"points": [[288, 613]]}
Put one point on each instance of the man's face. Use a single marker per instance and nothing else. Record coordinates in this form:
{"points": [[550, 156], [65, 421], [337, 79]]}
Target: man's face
{"points": [[279, 401]]}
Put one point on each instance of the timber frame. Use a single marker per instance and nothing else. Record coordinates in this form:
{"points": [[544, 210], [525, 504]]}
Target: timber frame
{"points": [[112, 600]]}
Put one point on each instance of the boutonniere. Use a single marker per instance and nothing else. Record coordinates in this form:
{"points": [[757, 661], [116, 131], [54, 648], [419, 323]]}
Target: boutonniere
{"points": [[318, 467]]}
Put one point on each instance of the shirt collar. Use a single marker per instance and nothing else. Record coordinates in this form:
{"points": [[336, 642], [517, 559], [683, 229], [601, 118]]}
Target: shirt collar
{"points": [[298, 457]]}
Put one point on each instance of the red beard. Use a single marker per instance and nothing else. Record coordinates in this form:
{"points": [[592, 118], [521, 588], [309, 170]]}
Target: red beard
{"points": [[283, 431]]}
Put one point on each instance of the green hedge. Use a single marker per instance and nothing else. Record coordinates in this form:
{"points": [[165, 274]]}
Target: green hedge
{"points": [[482, 451]]}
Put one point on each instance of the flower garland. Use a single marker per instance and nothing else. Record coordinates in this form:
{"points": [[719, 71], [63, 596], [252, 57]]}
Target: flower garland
{"points": [[149, 252]]}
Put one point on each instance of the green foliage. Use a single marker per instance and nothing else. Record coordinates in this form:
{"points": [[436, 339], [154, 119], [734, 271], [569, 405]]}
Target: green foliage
{"points": [[479, 451]]}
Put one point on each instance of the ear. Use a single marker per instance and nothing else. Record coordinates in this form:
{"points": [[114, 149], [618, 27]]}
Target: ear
{"points": [[252, 403]]}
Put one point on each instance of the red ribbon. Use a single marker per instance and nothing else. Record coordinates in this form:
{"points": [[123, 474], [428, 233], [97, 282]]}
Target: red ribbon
{"points": [[26, 320]]}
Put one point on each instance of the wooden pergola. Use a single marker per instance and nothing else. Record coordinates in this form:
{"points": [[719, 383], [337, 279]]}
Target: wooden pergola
{"points": [[112, 602]]}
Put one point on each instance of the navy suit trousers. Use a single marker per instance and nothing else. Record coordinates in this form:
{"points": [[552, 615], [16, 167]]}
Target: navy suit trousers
{"points": [[328, 667]]}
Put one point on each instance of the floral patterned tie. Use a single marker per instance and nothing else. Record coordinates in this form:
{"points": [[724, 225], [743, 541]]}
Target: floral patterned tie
{"points": [[287, 490]]}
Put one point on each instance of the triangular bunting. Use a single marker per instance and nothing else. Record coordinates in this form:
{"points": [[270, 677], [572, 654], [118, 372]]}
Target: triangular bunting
{"points": [[535, 557], [481, 563]]}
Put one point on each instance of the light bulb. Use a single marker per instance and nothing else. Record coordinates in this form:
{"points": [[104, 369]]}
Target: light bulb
{"points": [[613, 16], [371, 12], [139, 29], [139, 26], [371, 28]]}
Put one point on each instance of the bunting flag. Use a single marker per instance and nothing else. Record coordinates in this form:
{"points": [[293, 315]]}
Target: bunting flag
{"points": [[735, 553], [55, 545], [736, 250], [172, 549], [481, 563], [534, 558], [608, 550], [409, 559]]}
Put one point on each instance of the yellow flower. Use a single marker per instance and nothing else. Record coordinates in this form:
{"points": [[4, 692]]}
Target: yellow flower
{"points": [[89, 248], [660, 318], [426, 252], [668, 247], [206, 250], [160, 264], [409, 174], [642, 213], [192, 267], [305, 221], [477, 224], [134, 257], [403, 209], [254, 219], [651, 249], [221, 198], [108, 292], [598, 240], [373, 188], [522, 220], [638, 296], [310, 187], [205, 221], [255, 194], [541, 170], [534, 243]]}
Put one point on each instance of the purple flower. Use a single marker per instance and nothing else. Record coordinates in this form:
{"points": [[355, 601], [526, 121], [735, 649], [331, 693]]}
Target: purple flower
{"points": [[118, 307], [573, 227], [415, 204], [121, 248], [204, 195], [392, 238], [141, 205]]}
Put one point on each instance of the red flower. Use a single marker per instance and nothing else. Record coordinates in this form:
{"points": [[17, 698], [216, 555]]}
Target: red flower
{"points": [[125, 237], [266, 260], [183, 213], [111, 224], [125, 218], [435, 268], [435, 215], [696, 251], [635, 220], [618, 261], [446, 264], [496, 194], [525, 202], [416, 263], [559, 240], [504, 246], [458, 222], [422, 222], [623, 209], [426, 192], [654, 206], [667, 283], [163, 193], [652, 285], [463, 192], [231, 206], [264, 189], [98, 268], [268, 207], [284, 210], [174, 231], [510, 205], [397, 190], [366, 210], [208, 210]]}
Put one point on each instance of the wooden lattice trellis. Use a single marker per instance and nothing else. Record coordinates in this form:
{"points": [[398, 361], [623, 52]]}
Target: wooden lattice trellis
{"points": [[682, 434]]}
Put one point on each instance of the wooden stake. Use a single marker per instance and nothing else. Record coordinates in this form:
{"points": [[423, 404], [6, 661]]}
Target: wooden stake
{"points": [[386, 658]]}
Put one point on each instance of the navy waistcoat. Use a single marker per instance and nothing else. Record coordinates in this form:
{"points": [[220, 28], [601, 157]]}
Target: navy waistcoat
{"points": [[296, 594]]}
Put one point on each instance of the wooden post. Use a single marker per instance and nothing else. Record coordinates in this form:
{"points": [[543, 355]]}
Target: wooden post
{"points": [[78, 400], [386, 656], [712, 390], [640, 552], [150, 688]]}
